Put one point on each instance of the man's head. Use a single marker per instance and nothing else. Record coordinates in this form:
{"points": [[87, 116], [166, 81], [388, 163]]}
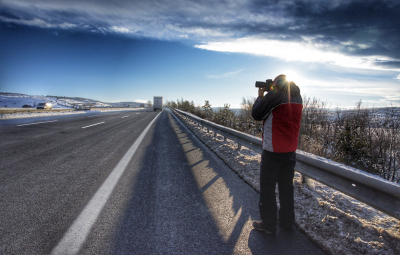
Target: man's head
{"points": [[280, 81], [289, 87]]}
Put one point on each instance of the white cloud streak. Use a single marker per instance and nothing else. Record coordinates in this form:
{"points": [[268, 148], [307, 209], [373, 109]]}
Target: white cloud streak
{"points": [[225, 74], [39, 23], [293, 51], [122, 30], [372, 92]]}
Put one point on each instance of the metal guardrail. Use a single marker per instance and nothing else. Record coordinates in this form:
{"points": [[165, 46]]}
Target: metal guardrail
{"points": [[367, 188]]}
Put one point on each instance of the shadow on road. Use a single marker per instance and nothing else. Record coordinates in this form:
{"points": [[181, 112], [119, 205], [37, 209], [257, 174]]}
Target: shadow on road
{"points": [[186, 200]]}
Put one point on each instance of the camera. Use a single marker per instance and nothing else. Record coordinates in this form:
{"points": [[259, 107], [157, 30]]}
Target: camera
{"points": [[267, 84]]}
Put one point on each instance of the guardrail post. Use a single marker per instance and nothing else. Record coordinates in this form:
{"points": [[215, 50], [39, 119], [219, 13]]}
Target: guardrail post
{"points": [[239, 146], [305, 179], [215, 134], [309, 182]]}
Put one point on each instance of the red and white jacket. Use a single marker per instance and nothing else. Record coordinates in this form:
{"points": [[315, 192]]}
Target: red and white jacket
{"points": [[280, 110]]}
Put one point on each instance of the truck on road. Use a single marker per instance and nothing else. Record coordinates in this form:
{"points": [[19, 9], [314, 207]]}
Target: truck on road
{"points": [[158, 103]]}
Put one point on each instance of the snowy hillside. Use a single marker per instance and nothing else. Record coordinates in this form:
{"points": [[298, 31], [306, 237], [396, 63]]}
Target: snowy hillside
{"points": [[15, 100], [18, 100]]}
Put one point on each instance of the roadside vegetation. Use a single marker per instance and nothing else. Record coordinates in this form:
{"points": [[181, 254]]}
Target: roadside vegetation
{"points": [[362, 137]]}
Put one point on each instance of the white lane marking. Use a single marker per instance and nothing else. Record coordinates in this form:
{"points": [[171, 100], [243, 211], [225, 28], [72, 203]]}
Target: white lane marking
{"points": [[125, 116], [36, 123], [76, 235], [137, 113], [94, 125]]}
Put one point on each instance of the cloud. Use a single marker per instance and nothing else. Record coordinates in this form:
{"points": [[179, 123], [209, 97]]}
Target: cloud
{"points": [[141, 101], [225, 74], [122, 30], [374, 90], [351, 32], [300, 51], [39, 23]]}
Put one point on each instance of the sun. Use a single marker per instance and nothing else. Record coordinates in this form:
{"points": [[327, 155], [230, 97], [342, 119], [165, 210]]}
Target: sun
{"points": [[291, 75]]}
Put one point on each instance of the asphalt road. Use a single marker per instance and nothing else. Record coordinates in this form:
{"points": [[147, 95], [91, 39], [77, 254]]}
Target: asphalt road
{"points": [[115, 183]]}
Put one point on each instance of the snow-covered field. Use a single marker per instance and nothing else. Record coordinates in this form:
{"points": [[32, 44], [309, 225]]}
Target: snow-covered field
{"points": [[16, 101], [338, 223]]}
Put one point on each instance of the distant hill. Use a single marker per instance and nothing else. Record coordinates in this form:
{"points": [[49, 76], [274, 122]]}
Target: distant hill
{"points": [[17, 100]]}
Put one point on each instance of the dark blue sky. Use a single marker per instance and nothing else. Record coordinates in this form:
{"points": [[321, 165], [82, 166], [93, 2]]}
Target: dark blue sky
{"points": [[339, 52]]}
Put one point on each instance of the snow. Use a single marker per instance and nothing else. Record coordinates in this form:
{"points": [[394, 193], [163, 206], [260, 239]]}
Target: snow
{"points": [[10, 101], [41, 114], [336, 222], [35, 114], [17, 101]]}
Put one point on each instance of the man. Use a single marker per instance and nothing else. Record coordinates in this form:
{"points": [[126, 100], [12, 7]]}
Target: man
{"points": [[280, 110]]}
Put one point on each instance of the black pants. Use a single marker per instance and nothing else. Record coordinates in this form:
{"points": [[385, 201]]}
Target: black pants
{"points": [[277, 168]]}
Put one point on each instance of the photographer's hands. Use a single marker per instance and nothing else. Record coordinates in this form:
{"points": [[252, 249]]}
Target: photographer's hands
{"points": [[261, 92]]}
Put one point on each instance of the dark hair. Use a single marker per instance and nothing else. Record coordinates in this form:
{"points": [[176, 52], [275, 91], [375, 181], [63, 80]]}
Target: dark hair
{"points": [[280, 81]]}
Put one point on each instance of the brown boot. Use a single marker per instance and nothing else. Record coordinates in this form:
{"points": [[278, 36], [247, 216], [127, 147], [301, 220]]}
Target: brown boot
{"points": [[259, 225]]}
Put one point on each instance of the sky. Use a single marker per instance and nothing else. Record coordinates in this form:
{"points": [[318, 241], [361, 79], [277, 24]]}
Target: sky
{"points": [[337, 51]]}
